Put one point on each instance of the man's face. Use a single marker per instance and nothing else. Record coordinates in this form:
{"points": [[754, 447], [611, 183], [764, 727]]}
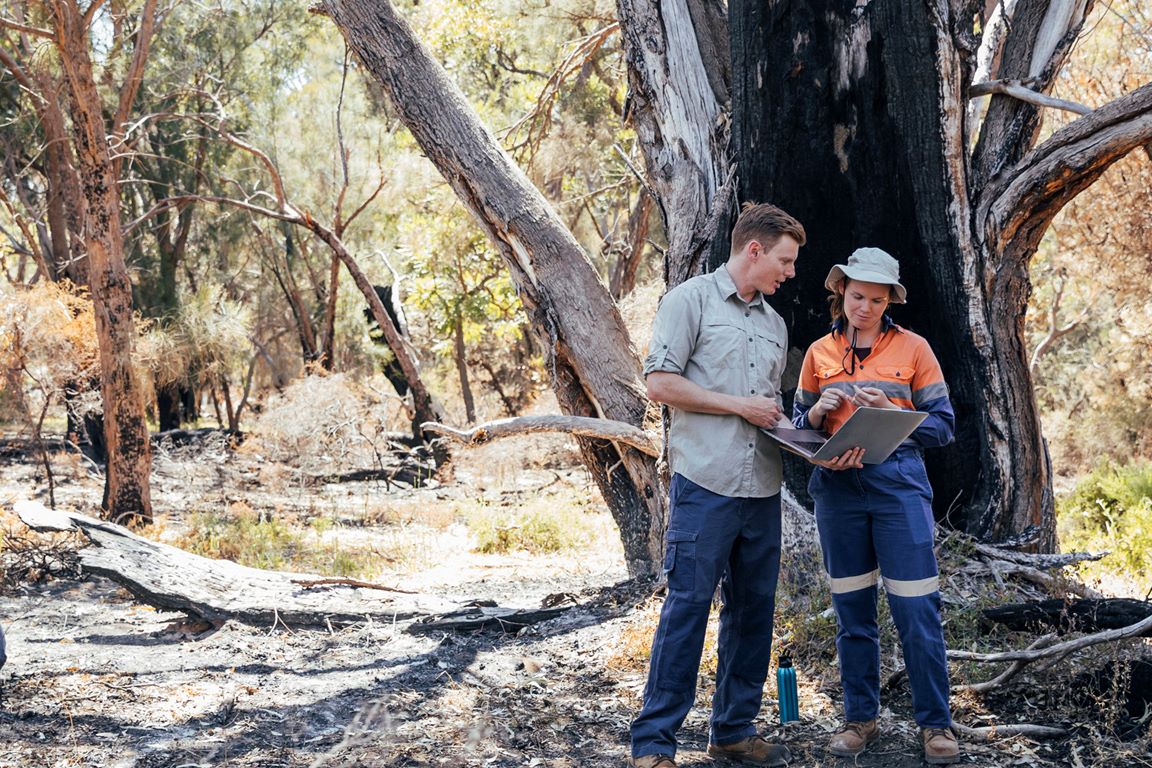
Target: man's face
{"points": [[772, 266]]}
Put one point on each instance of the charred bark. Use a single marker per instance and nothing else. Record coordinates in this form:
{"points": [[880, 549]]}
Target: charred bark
{"points": [[853, 118], [127, 494]]}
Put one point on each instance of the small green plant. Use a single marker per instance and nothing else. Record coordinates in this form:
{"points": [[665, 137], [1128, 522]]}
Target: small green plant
{"points": [[1111, 508], [251, 539], [555, 526]]}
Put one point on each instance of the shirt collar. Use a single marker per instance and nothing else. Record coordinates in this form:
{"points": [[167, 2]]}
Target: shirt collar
{"points": [[727, 288], [886, 324]]}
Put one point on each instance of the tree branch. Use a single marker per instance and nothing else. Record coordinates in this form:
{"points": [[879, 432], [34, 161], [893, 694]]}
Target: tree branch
{"points": [[1018, 208], [16, 26], [1133, 630], [581, 426], [135, 76], [1018, 90]]}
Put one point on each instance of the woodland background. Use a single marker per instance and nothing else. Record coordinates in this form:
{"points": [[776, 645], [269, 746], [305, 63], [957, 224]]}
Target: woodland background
{"points": [[248, 327]]}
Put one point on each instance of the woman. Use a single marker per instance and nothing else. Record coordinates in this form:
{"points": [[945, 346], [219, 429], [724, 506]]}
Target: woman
{"points": [[875, 520]]}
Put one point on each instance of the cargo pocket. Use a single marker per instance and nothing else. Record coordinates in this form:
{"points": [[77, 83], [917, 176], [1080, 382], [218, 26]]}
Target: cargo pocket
{"points": [[680, 561]]}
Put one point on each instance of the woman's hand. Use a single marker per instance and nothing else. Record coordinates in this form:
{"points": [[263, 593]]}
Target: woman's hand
{"points": [[853, 458], [829, 401], [872, 398]]}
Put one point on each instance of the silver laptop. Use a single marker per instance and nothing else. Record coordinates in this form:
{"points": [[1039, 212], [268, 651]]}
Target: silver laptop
{"points": [[879, 431]]}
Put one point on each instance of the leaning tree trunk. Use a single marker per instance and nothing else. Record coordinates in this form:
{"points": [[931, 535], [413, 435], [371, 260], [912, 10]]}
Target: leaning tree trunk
{"points": [[127, 495], [854, 120], [595, 370]]}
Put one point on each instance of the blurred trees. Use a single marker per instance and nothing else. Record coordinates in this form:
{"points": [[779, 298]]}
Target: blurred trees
{"points": [[1092, 381]]}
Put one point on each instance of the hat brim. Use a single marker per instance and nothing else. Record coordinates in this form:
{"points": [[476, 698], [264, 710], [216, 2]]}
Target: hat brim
{"points": [[841, 271]]}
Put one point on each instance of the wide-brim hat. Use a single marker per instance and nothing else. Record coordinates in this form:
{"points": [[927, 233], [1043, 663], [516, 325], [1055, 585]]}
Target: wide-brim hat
{"points": [[869, 265]]}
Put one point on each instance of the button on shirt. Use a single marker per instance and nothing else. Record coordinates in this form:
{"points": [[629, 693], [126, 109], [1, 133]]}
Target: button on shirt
{"points": [[706, 333]]}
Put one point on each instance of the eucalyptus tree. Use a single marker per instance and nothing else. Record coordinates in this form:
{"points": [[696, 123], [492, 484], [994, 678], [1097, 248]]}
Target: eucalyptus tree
{"points": [[61, 53], [864, 121]]}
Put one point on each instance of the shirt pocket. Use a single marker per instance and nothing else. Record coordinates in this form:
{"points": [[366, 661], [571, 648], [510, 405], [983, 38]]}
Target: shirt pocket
{"points": [[828, 372], [723, 345], [899, 373]]}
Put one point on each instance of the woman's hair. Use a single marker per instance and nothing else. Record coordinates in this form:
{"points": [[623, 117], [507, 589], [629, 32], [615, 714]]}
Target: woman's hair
{"points": [[836, 300]]}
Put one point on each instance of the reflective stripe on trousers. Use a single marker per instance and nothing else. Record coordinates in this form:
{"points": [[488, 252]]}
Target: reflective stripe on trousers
{"points": [[876, 524]]}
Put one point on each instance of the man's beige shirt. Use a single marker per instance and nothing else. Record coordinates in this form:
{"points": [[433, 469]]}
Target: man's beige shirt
{"points": [[706, 333]]}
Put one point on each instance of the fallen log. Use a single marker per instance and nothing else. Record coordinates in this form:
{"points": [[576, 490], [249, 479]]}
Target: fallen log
{"points": [[990, 732], [1071, 616], [486, 617], [218, 590]]}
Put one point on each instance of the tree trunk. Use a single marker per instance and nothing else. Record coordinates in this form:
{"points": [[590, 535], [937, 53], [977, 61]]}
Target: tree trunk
{"points": [[460, 353], [678, 91], [595, 370], [127, 495], [854, 120]]}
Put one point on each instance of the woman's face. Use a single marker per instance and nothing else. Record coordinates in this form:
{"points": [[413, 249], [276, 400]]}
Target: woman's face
{"points": [[865, 303]]}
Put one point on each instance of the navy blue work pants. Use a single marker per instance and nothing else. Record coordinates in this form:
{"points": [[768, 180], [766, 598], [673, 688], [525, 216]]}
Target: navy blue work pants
{"points": [[736, 542], [876, 524]]}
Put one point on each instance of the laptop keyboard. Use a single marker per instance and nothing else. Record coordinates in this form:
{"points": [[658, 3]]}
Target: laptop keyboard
{"points": [[812, 445]]}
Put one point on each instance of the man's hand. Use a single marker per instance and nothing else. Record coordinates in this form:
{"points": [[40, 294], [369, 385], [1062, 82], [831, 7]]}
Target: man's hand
{"points": [[762, 411], [853, 458]]}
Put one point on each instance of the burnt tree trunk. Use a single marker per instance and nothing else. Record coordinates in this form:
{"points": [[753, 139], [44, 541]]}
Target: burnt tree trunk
{"points": [[853, 117], [127, 495], [595, 369]]}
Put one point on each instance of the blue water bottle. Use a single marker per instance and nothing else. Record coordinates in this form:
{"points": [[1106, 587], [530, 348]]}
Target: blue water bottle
{"points": [[786, 691]]}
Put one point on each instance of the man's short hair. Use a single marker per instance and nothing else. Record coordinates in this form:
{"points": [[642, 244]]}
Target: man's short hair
{"points": [[766, 223]]}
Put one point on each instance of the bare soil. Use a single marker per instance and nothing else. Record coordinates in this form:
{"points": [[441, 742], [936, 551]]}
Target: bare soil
{"points": [[96, 679]]}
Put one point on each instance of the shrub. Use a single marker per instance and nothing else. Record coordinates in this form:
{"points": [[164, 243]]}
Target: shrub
{"points": [[246, 537], [1111, 508], [552, 526]]}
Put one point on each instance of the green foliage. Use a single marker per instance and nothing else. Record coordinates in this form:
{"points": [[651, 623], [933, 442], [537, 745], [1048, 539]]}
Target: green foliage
{"points": [[1111, 509], [267, 542]]}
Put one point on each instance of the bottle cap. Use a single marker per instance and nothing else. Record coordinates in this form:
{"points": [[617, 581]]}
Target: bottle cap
{"points": [[785, 661]]}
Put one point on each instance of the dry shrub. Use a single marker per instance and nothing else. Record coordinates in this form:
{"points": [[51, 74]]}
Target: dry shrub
{"points": [[329, 424], [47, 342], [27, 557]]}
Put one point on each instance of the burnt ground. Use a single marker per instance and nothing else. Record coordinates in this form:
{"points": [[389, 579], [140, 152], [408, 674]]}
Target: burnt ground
{"points": [[97, 679]]}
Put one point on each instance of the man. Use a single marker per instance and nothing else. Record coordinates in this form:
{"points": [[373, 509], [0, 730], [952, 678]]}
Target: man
{"points": [[716, 357]]}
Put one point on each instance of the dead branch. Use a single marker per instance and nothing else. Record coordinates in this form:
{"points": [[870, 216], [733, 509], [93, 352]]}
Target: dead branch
{"points": [[1134, 630], [990, 732], [1070, 616], [582, 426], [998, 568], [1011, 672], [1042, 561], [1018, 90], [217, 590]]}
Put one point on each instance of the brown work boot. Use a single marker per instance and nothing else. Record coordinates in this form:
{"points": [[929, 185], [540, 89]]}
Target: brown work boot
{"points": [[853, 738], [754, 750], [652, 761], [940, 747]]}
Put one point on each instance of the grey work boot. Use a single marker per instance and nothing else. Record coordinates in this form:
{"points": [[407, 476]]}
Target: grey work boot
{"points": [[754, 750]]}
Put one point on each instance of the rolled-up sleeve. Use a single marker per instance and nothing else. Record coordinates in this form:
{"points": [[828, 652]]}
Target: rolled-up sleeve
{"points": [[674, 332]]}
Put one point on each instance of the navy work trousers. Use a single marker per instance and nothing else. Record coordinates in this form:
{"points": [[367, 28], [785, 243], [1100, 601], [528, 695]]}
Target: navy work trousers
{"points": [[712, 538], [873, 522]]}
